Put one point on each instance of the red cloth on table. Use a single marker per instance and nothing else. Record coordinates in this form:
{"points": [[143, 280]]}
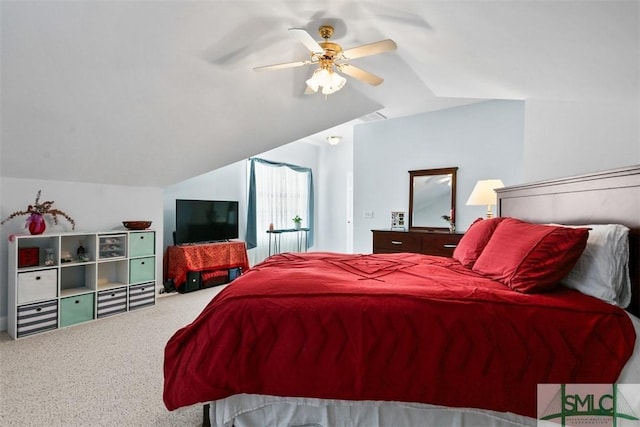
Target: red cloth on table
{"points": [[211, 256]]}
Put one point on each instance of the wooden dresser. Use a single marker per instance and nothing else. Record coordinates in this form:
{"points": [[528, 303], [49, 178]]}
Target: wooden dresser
{"points": [[421, 242]]}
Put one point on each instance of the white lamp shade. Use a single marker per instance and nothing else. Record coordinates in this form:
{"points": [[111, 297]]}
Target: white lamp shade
{"points": [[484, 194]]}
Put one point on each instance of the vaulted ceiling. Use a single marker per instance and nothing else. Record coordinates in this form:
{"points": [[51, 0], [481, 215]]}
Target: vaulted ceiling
{"points": [[151, 93]]}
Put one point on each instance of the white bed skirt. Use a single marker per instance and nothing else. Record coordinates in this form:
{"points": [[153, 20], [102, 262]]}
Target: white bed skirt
{"points": [[250, 410], [247, 410]]}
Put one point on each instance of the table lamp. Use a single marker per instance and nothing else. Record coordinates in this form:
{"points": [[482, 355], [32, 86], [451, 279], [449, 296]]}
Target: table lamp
{"points": [[484, 194]]}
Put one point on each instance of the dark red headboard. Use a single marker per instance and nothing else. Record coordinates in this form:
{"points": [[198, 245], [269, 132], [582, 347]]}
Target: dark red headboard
{"points": [[607, 197]]}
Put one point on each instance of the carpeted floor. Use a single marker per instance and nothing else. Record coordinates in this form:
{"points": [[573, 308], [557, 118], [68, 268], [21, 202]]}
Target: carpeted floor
{"points": [[106, 372]]}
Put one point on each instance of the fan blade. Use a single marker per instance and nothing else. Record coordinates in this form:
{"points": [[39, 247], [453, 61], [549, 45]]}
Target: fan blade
{"points": [[306, 39], [370, 49], [360, 74], [282, 66]]}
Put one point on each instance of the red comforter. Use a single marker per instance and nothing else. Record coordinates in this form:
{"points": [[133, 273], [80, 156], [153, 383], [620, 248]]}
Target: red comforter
{"points": [[398, 327]]}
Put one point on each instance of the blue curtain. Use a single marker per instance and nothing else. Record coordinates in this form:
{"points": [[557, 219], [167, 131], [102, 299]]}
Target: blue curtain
{"points": [[251, 234]]}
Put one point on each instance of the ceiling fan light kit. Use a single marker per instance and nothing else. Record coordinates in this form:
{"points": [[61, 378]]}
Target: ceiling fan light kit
{"points": [[328, 55], [326, 78]]}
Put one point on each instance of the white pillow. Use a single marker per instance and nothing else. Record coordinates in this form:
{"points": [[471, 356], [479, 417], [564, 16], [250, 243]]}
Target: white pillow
{"points": [[602, 270]]}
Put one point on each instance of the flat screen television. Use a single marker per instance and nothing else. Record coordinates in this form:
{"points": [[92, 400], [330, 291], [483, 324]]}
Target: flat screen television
{"points": [[199, 221]]}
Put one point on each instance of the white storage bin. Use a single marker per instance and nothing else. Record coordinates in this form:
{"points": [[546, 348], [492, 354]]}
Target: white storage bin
{"points": [[37, 285]]}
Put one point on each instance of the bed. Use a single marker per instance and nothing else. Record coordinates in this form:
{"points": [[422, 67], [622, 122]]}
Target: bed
{"points": [[329, 339]]}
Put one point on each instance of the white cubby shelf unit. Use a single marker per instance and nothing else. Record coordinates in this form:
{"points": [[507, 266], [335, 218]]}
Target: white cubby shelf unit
{"points": [[58, 280]]}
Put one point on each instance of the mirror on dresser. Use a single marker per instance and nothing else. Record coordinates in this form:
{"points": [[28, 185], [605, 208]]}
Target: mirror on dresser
{"points": [[432, 194]]}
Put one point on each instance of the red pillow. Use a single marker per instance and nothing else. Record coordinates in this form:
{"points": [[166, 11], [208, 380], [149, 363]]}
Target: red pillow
{"points": [[531, 257], [474, 240]]}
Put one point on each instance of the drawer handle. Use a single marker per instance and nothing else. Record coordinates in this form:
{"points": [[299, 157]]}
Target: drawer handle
{"points": [[141, 237], [142, 263], [77, 301], [38, 309], [37, 277], [450, 246], [113, 295], [396, 242], [141, 289]]}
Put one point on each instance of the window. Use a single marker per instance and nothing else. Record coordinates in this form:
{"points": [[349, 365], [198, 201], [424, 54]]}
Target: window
{"points": [[277, 193]]}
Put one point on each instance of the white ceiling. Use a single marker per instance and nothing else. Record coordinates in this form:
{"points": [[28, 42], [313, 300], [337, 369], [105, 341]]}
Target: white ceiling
{"points": [[151, 93]]}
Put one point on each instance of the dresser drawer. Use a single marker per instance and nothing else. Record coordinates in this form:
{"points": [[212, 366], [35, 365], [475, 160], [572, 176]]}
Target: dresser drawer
{"points": [[111, 302], [37, 285], [441, 244], [76, 309], [34, 318], [141, 295], [396, 241]]}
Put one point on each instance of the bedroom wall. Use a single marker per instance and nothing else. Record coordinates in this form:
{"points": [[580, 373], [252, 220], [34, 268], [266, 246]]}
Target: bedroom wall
{"points": [[484, 140], [565, 138], [227, 183], [230, 183], [94, 207]]}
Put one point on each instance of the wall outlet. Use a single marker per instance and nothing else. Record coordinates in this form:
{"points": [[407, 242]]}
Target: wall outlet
{"points": [[368, 214]]}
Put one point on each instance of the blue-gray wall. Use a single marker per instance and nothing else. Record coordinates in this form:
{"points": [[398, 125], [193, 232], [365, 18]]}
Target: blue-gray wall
{"points": [[484, 140]]}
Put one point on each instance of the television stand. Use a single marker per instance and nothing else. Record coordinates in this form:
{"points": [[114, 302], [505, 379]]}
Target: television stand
{"points": [[208, 259]]}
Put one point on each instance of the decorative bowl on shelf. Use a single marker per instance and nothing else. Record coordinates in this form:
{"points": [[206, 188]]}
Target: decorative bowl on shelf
{"points": [[136, 225]]}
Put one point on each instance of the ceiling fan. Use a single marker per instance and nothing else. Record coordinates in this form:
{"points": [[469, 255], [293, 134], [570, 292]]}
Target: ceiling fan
{"points": [[329, 55]]}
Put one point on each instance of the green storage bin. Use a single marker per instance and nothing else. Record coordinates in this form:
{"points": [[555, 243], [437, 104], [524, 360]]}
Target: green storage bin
{"points": [[142, 244], [76, 309], [142, 270]]}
